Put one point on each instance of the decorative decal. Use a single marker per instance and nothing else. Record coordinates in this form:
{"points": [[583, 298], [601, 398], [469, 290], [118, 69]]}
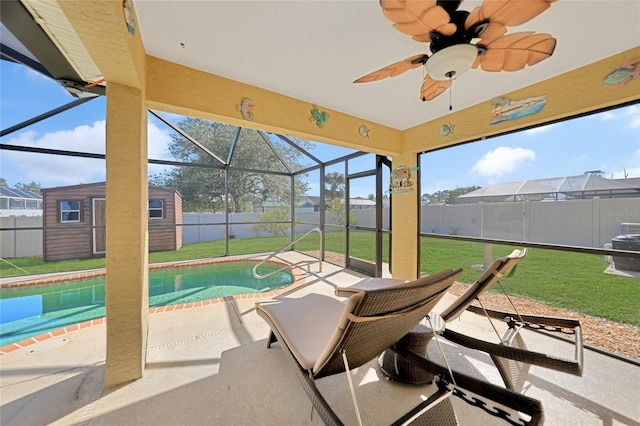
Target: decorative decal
{"points": [[129, 16], [246, 108], [320, 118], [506, 109], [623, 74], [401, 180], [364, 132], [446, 129]]}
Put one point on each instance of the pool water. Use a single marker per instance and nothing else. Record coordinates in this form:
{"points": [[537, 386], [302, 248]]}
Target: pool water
{"points": [[33, 310]]}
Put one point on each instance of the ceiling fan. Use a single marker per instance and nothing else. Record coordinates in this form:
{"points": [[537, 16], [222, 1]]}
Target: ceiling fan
{"points": [[460, 40]]}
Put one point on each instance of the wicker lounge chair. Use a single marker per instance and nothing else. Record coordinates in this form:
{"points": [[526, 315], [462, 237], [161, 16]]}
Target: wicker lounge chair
{"points": [[322, 335], [511, 356], [511, 407]]}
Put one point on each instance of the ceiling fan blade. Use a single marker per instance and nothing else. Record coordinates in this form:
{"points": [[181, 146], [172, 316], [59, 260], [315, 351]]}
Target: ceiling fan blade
{"points": [[418, 18], [432, 88], [507, 12], [394, 69], [515, 51]]}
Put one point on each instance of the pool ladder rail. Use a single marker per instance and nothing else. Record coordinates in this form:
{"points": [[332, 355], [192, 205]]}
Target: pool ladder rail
{"points": [[293, 265]]}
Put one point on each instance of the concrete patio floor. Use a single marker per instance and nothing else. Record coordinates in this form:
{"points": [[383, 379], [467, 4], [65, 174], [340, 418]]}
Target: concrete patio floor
{"points": [[210, 365]]}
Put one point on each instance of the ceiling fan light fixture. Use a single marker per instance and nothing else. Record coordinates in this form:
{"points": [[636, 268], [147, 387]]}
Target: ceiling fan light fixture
{"points": [[451, 62]]}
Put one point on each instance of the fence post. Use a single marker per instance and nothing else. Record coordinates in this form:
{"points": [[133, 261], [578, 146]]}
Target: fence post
{"points": [[15, 237], [526, 219], [595, 237]]}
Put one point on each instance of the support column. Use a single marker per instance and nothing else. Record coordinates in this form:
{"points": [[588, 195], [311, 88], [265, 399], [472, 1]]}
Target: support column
{"points": [[127, 201], [404, 223]]}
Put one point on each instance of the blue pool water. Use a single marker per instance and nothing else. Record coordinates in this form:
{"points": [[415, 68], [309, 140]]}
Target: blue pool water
{"points": [[34, 310]]}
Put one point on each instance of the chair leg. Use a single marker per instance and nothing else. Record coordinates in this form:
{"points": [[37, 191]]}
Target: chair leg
{"points": [[353, 392], [272, 339], [513, 372]]}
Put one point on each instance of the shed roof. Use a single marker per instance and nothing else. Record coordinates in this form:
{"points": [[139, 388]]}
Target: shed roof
{"points": [[99, 188]]}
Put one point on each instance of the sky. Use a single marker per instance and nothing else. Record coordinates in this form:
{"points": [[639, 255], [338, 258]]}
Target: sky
{"points": [[607, 141]]}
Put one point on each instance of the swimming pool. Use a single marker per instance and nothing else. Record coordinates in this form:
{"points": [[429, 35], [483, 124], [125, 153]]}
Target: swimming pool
{"points": [[32, 310]]}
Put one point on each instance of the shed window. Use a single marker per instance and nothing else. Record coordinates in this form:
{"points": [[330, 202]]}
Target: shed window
{"points": [[155, 209], [69, 211]]}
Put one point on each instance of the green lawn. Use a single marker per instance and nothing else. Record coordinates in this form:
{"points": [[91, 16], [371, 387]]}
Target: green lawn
{"points": [[572, 280]]}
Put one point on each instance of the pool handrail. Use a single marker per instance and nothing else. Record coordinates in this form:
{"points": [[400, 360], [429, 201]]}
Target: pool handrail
{"points": [[293, 265]]}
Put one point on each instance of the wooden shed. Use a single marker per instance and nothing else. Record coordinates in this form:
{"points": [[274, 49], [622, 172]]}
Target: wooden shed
{"points": [[74, 220]]}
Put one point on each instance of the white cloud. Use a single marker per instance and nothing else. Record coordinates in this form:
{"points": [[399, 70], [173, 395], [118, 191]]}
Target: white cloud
{"points": [[630, 172], [502, 160], [538, 130], [607, 116], [630, 115], [58, 170], [158, 142], [633, 114], [158, 147]]}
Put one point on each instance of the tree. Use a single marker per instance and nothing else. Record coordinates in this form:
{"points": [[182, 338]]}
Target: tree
{"points": [[334, 185], [3, 182], [338, 215], [595, 172], [448, 196], [271, 217], [32, 186], [203, 188]]}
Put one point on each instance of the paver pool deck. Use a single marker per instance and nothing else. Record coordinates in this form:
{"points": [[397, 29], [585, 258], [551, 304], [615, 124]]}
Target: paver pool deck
{"points": [[208, 364]]}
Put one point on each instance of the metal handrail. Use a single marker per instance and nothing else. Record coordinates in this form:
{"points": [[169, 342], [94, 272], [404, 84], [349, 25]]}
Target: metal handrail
{"points": [[293, 265]]}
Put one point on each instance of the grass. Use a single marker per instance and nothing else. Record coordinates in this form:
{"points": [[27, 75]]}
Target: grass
{"points": [[563, 279], [571, 280]]}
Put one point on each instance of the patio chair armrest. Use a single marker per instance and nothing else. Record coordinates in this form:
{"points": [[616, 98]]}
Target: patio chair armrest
{"points": [[367, 285]]}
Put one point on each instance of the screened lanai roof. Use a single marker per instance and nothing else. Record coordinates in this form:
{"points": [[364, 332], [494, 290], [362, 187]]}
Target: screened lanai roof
{"points": [[568, 187], [6, 192]]}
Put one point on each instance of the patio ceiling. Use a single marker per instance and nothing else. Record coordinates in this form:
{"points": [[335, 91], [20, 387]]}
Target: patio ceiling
{"points": [[314, 50]]}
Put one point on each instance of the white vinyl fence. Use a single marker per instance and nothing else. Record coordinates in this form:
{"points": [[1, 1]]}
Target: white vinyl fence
{"points": [[210, 226], [587, 223], [17, 243]]}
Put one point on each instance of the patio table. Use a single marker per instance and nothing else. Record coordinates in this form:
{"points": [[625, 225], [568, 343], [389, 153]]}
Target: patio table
{"points": [[396, 367]]}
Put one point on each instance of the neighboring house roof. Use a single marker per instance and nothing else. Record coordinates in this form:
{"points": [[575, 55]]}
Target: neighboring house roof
{"points": [[361, 202], [19, 193], [313, 199], [580, 186]]}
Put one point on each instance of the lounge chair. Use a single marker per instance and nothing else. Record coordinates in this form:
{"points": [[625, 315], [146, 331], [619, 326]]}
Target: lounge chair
{"points": [[322, 335], [511, 356], [511, 407]]}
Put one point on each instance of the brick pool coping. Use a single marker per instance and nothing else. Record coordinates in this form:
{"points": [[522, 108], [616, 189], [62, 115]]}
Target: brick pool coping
{"points": [[299, 278]]}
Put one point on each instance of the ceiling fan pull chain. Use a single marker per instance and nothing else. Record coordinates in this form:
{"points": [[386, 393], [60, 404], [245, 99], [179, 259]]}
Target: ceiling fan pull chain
{"points": [[450, 97]]}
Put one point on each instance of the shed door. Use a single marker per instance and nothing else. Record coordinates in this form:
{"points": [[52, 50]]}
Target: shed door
{"points": [[99, 223]]}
